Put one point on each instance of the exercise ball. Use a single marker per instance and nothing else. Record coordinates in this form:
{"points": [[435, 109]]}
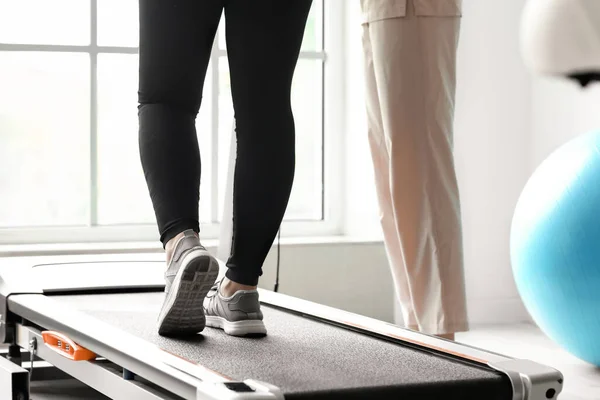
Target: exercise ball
{"points": [[555, 246]]}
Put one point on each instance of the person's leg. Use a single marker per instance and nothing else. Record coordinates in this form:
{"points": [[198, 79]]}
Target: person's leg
{"points": [[176, 38], [263, 43], [380, 156], [415, 66]]}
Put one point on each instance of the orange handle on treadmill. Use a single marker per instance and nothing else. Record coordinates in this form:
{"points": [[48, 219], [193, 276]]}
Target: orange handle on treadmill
{"points": [[66, 347]]}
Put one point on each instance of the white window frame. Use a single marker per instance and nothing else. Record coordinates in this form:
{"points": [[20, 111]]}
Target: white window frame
{"points": [[333, 146]]}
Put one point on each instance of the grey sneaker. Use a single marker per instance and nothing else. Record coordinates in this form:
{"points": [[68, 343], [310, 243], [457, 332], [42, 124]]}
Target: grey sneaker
{"points": [[191, 273], [238, 315]]}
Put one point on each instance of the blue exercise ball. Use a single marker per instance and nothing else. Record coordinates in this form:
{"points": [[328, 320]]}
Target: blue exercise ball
{"points": [[555, 246]]}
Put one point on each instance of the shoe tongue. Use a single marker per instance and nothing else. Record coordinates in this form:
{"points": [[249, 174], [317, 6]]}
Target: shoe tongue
{"points": [[189, 233]]}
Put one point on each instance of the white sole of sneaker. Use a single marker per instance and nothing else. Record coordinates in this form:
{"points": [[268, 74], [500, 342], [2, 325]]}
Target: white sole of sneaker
{"points": [[183, 311], [237, 328]]}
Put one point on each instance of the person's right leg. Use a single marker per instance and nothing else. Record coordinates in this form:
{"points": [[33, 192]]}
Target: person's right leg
{"points": [[263, 43], [378, 144], [176, 38]]}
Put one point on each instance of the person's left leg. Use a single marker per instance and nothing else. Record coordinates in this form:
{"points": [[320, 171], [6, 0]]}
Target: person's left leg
{"points": [[263, 44], [414, 61]]}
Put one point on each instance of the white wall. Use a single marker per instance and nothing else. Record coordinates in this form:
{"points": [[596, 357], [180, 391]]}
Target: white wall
{"points": [[352, 276], [561, 111], [492, 139], [492, 142], [493, 146]]}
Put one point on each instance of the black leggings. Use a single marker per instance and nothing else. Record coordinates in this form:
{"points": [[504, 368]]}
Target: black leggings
{"points": [[263, 43]]}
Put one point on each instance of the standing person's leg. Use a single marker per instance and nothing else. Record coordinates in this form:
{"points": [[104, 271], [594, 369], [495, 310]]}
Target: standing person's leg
{"points": [[379, 145], [414, 59], [263, 43], [176, 38]]}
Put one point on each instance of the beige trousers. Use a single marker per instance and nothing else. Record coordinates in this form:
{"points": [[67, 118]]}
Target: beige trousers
{"points": [[410, 66]]}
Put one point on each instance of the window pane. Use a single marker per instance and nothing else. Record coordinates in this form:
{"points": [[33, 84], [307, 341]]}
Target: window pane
{"points": [[313, 33], [118, 23], [122, 192], [307, 102], [306, 199], [204, 131], [314, 28], [64, 22], [226, 124], [44, 151], [221, 34]]}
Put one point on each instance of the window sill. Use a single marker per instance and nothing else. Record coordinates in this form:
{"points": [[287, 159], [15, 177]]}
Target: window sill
{"points": [[28, 250]]}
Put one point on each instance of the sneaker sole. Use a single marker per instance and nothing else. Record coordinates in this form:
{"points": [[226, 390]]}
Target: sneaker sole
{"points": [[183, 312], [237, 328]]}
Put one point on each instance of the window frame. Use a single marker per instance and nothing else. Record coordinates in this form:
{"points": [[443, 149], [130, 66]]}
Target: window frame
{"points": [[332, 138]]}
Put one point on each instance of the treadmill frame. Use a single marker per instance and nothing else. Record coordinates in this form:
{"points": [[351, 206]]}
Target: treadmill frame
{"points": [[26, 308], [96, 374], [530, 380]]}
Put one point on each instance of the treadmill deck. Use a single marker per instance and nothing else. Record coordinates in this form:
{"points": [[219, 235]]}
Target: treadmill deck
{"points": [[299, 355]]}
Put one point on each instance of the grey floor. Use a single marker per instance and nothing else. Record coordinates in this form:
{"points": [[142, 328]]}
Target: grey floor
{"points": [[582, 381]]}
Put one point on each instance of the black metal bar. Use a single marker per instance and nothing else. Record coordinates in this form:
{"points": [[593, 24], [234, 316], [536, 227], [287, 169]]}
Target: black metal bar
{"points": [[14, 381], [128, 375]]}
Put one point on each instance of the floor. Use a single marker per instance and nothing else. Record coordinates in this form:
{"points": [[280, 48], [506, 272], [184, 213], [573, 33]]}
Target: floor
{"points": [[582, 380], [63, 390]]}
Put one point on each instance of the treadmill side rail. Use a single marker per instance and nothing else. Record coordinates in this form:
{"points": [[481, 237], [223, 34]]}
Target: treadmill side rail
{"points": [[530, 380], [14, 381], [380, 328], [247, 390]]}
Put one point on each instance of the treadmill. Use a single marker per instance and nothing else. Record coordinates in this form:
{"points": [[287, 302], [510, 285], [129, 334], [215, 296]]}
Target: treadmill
{"points": [[93, 318]]}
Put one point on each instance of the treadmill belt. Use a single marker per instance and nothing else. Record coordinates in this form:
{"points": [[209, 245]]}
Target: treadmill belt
{"points": [[299, 355]]}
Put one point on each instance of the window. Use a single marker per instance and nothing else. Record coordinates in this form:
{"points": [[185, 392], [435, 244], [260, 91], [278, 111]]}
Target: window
{"points": [[69, 158]]}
